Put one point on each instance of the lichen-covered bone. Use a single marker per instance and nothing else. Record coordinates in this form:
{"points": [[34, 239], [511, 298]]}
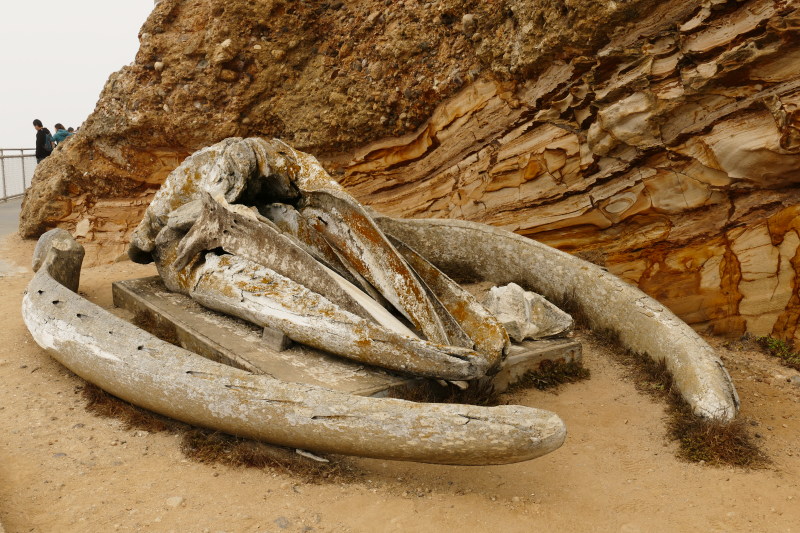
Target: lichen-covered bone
{"points": [[137, 367], [348, 227], [525, 314], [476, 251], [239, 287], [220, 227], [329, 232], [292, 223], [488, 335]]}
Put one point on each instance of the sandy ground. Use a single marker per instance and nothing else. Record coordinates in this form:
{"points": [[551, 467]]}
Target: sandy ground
{"points": [[64, 470]]}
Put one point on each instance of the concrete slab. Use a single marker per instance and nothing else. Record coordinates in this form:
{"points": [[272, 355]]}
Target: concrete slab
{"points": [[234, 342], [238, 343]]}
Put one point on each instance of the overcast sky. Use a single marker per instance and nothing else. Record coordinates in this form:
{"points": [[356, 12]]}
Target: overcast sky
{"points": [[55, 57]]}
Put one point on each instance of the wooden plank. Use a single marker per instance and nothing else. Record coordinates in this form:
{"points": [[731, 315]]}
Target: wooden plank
{"points": [[237, 343]]}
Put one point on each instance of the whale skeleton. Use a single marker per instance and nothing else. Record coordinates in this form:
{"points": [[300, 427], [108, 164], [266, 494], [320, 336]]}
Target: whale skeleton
{"points": [[141, 369], [258, 230]]}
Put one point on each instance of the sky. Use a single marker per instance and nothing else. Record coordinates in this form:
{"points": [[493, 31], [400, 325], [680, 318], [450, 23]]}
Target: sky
{"points": [[55, 57]]}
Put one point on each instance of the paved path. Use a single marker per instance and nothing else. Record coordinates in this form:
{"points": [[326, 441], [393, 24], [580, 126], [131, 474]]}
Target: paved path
{"points": [[9, 216], [9, 223]]}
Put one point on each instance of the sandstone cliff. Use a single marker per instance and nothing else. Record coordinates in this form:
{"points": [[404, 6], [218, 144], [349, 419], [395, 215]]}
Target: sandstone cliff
{"points": [[661, 139]]}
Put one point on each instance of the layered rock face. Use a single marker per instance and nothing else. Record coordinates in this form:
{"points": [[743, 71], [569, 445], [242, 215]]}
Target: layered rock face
{"points": [[661, 139]]}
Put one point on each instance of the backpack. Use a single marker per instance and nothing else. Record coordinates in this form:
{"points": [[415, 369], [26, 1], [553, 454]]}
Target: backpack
{"points": [[49, 144]]}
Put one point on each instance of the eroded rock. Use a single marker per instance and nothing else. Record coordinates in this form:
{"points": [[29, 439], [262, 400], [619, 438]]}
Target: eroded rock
{"points": [[658, 136]]}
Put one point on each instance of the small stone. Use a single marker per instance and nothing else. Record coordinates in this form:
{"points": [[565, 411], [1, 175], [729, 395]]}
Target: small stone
{"points": [[227, 75], [468, 24], [515, 499], [292, 44], [377, 70], [257, 47], [758, 435], [796, 381], [278, 54], [282, 522], [159, 66], [60, 455], [174, 501]]}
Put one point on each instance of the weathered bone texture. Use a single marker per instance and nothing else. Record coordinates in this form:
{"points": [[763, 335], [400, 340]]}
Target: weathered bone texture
{"points": [[659, 137], [489, 336], [290, 222], [67, 253], [245, 236], [350, 230], [525, 314], [238, 287], [336, 228], [466, 250], [137, 367]]}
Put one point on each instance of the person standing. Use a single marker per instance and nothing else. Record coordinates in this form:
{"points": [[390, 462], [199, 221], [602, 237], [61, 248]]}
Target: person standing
{"points": [[61, 134], [44, 141]]}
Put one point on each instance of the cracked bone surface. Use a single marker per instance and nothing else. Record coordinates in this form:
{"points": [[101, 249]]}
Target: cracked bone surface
{"points": [[525, 314], [139, 368], [288, 280]]}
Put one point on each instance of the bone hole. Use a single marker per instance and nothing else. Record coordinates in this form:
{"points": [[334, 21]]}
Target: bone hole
{"points": [[56, 302], [235, 221], [79, 315], [140, 347], [39, 292], [224, 232]]}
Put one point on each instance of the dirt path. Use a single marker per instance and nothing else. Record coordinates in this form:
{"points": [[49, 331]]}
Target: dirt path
{"points": [[64, 470]]}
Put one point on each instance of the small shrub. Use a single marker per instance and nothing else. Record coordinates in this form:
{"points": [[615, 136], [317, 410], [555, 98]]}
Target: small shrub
{"points": [[780, 349]]}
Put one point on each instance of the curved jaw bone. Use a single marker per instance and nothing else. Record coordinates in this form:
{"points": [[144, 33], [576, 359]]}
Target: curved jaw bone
{"points": [[139, 368]]}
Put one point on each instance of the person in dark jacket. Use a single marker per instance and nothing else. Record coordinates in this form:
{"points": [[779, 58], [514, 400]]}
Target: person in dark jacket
{"points": [[61, 134], [41, 138]]}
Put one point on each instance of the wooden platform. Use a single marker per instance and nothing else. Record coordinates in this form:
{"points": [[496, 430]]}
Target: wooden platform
{"points": [[238, 343]]}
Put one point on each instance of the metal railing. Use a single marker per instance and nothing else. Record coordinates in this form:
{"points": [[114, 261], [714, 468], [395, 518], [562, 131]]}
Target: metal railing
{"points": [[16, 171]]}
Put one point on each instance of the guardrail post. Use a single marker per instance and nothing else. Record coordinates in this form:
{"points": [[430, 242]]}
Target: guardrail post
{"points": [[3, 171], [23, 169]]}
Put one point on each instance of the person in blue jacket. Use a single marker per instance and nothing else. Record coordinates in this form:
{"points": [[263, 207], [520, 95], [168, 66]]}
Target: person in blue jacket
{"points": [[61, 133]]}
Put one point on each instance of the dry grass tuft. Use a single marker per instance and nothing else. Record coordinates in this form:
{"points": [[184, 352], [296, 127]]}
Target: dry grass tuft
{"points": [[551, 374], [207, 446], [481, 393], [780, 349], [155, 327], [104, 405], [569, 304], [596, 256], [699, 439]]}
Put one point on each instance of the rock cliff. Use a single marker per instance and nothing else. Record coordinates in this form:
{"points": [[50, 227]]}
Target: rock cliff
{"points": [[659, 139]]}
